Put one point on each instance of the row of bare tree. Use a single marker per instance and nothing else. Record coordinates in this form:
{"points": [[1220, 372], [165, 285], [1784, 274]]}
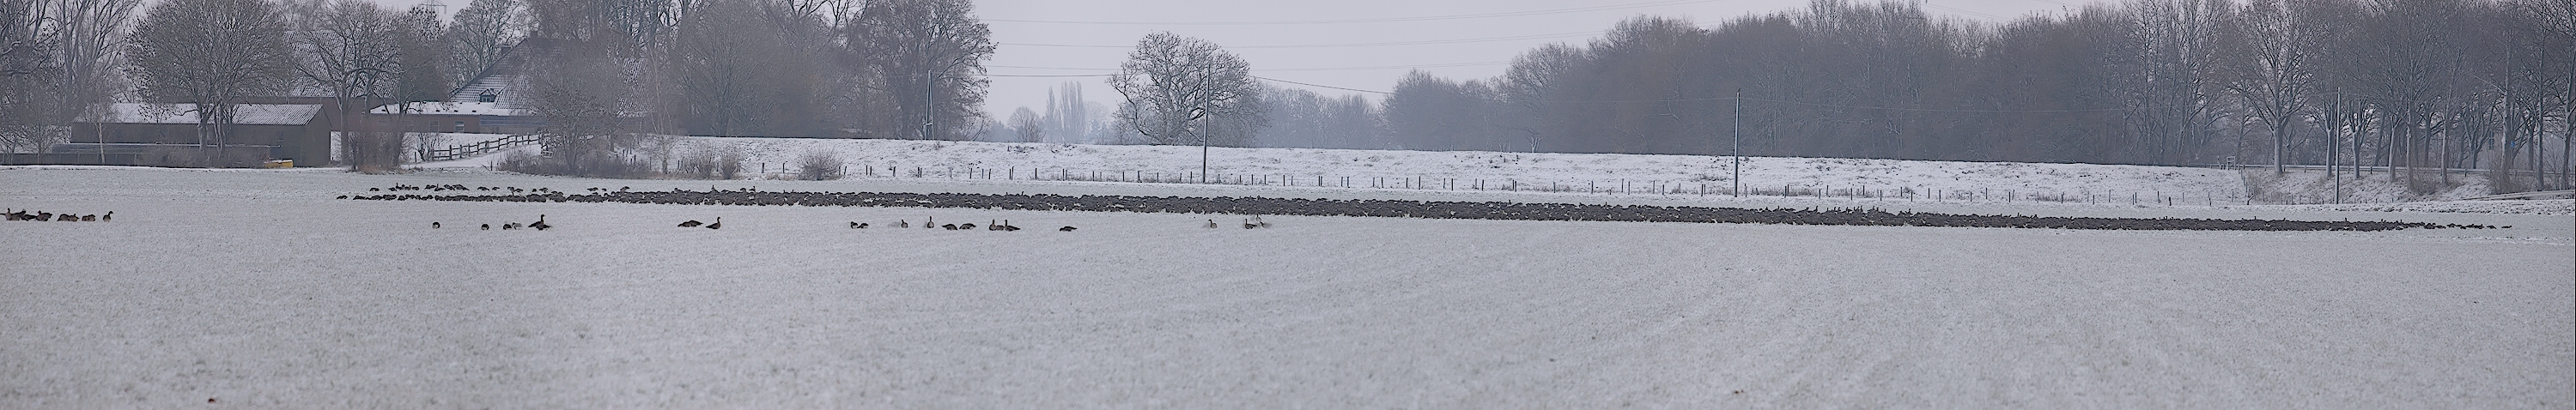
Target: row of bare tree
{"points": [[2397, 83], [601, 71]]}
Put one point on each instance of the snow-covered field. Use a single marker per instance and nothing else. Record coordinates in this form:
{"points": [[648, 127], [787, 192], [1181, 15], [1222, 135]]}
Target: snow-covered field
{"points": [[252, 288], [1472, 170]]}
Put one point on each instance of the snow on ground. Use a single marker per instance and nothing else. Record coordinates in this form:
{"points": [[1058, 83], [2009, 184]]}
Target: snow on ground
{"points": [[2311, 186], [1465, 170], [251, 288]]}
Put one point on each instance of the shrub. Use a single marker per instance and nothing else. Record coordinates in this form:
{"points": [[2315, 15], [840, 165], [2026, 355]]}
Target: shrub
{"points": [[819, 165], [711, 163]]}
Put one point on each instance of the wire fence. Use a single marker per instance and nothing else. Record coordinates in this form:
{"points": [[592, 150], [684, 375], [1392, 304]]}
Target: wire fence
{"points": [[1629, 187], [463, 151]]}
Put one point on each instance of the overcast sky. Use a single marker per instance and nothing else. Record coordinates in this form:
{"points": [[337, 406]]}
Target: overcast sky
{"points": [[1319, 43]]}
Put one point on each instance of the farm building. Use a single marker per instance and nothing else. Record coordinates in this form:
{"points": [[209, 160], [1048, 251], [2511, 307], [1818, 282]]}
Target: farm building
{"points": [[166, 134]]}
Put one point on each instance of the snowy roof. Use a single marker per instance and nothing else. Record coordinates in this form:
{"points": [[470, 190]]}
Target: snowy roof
{"points": [[247, 114], [451, 108]]}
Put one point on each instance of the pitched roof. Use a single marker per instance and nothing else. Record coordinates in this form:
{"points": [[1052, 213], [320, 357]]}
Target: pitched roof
{"points": [[450, 108], [246, 114]]}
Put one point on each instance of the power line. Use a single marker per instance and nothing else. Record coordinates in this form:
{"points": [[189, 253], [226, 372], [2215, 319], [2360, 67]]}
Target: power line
{"points": [[1768, 101], [1385, 67], [1382, 44], [1374, 20], [1047, 75], [1321, 85]]}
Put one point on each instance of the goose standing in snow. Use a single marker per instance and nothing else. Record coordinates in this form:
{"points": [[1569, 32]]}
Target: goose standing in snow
{"points": [[110, 216], [1211, 224], [541, 223], [718, 225]]}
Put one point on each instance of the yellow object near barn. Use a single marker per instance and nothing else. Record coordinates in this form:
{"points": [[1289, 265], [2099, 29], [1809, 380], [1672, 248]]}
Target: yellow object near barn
{"points": [[283, 163]]}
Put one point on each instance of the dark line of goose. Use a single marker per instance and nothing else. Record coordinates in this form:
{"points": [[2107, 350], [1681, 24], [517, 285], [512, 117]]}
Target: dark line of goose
{"points": [[1002, 225], [31, 216], [1420, 209]]}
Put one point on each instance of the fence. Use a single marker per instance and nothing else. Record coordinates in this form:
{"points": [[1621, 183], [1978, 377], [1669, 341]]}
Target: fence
{"points": [[456, 152], [1592, 187]]}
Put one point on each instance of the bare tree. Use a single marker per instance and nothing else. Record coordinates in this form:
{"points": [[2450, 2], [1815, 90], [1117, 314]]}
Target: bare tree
{"points": [[479, 32], [1432, 114], [1068, 117], [1172, 84], [1028, 126], [28, 76], [349, 48], [211, 54], [2264, 63], [92, 41], [926, 60]]}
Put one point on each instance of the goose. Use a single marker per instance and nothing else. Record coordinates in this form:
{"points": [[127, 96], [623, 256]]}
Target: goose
{"points": [[44, 217], [1007, 226], [541, 223], [111, 215], [487, 227], [11, 214], [1064, 229], [951, 227], [902, 223], [509, 225], [929, 222], [990, 226], [691, 224], [1211, 224], [966, 226], [433, 225], [718, 225]]}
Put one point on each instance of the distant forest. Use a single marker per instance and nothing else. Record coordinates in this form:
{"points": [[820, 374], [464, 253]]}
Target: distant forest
{"points": [[2379, 83], [2424, 83]]}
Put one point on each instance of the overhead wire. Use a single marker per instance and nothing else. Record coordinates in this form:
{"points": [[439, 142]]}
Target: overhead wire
{"points": [[1372, 20], [1379, 44]]}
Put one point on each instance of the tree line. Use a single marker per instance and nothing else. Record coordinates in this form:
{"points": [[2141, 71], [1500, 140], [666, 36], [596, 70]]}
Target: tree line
{"points": [[603, 73], [2379, 83], [2359, 84]]}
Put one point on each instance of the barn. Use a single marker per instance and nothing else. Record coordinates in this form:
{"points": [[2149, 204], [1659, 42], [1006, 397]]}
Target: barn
{"points": [[166, 135]]}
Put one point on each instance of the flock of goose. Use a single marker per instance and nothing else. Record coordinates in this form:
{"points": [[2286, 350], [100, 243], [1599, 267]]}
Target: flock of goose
{"points": [[933, 223], [540, 224], [26, 215], [928, 223]]}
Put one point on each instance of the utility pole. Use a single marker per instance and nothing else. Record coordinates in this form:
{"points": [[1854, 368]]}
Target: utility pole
{"points": [[1204, 136], [2334, 139], [1739, 143], [929, 91]]}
